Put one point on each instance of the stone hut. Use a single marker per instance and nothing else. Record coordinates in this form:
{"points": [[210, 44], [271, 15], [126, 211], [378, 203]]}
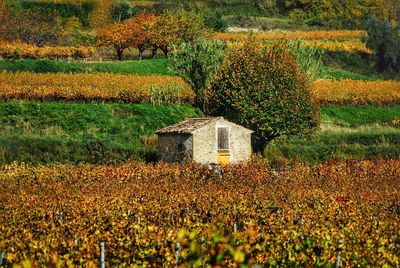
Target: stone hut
{"points": [[204, 140]]}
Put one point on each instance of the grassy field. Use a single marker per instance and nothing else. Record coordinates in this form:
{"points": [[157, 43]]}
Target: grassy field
{"points": [[357, 116], [102, 133], [370, 132], [335, 67], [53, 132], [340, 73], [140, 67]]}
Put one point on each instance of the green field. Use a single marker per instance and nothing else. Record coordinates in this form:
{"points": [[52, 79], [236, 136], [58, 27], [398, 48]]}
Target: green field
{"points": [[141, 67], [358, 115], [103, 133], [370, 132], [93, 133], [335, 67]]}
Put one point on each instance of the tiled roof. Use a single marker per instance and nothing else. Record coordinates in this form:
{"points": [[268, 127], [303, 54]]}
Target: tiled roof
{"points": [[188, 125]]}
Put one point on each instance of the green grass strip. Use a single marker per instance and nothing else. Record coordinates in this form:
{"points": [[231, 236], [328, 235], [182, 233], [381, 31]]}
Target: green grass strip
{"points": [[370, 132], [143, 67], [360, 115]]}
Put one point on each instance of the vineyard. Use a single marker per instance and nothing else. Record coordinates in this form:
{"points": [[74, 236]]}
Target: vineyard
{"points": [[347, 91], [80, 185], [16, 51], [97, 87], [332, 41], [57, 215], [134, 88], [349, 46], [308, 35], [336, 40]]}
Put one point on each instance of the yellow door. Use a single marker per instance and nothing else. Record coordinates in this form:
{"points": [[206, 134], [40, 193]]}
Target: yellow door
{"points": [[223, 158]]}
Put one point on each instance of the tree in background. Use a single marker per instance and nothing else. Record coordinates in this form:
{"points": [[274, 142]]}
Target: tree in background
{"points": [[338, 13], [144, 31], [100, 17], [121, 10], [196, 62], [215, 20], [73, 34], [175, 27], [31, 26], [262, 87], [118, 35], [384, 39], [40, 24]]}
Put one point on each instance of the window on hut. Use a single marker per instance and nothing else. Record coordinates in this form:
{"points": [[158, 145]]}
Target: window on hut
{"points": [[223, 138]]}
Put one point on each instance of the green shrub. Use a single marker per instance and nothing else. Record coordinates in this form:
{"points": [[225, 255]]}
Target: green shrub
{"points": [[215, 20], [196, 62]]}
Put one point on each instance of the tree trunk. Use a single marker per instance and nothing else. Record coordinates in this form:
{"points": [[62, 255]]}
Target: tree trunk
{"points": [[258, 144], [154, 52], [141, 51], [165, 50], [120, 52], [381, 64]]}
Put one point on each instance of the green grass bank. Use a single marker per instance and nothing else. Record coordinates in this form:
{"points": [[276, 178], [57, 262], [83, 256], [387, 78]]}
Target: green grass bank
{"points": [[369, 132], [73, 133]]}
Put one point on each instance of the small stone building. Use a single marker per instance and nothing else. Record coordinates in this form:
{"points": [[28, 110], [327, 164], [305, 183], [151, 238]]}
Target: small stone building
{"points": [[205, 141]]}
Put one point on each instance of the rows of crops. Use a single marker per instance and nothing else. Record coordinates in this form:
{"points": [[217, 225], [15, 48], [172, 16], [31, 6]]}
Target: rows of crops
{"points": [[27, 51], [131, 88], [87, 87], [310, 35], [333, 41], [59, 214], [356, 92], [349, 46]]}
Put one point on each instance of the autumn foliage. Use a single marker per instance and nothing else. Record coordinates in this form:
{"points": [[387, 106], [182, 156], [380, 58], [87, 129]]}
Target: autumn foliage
{"points": [[118, 35], [139, 32], [148, 31], [57, 215]]}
